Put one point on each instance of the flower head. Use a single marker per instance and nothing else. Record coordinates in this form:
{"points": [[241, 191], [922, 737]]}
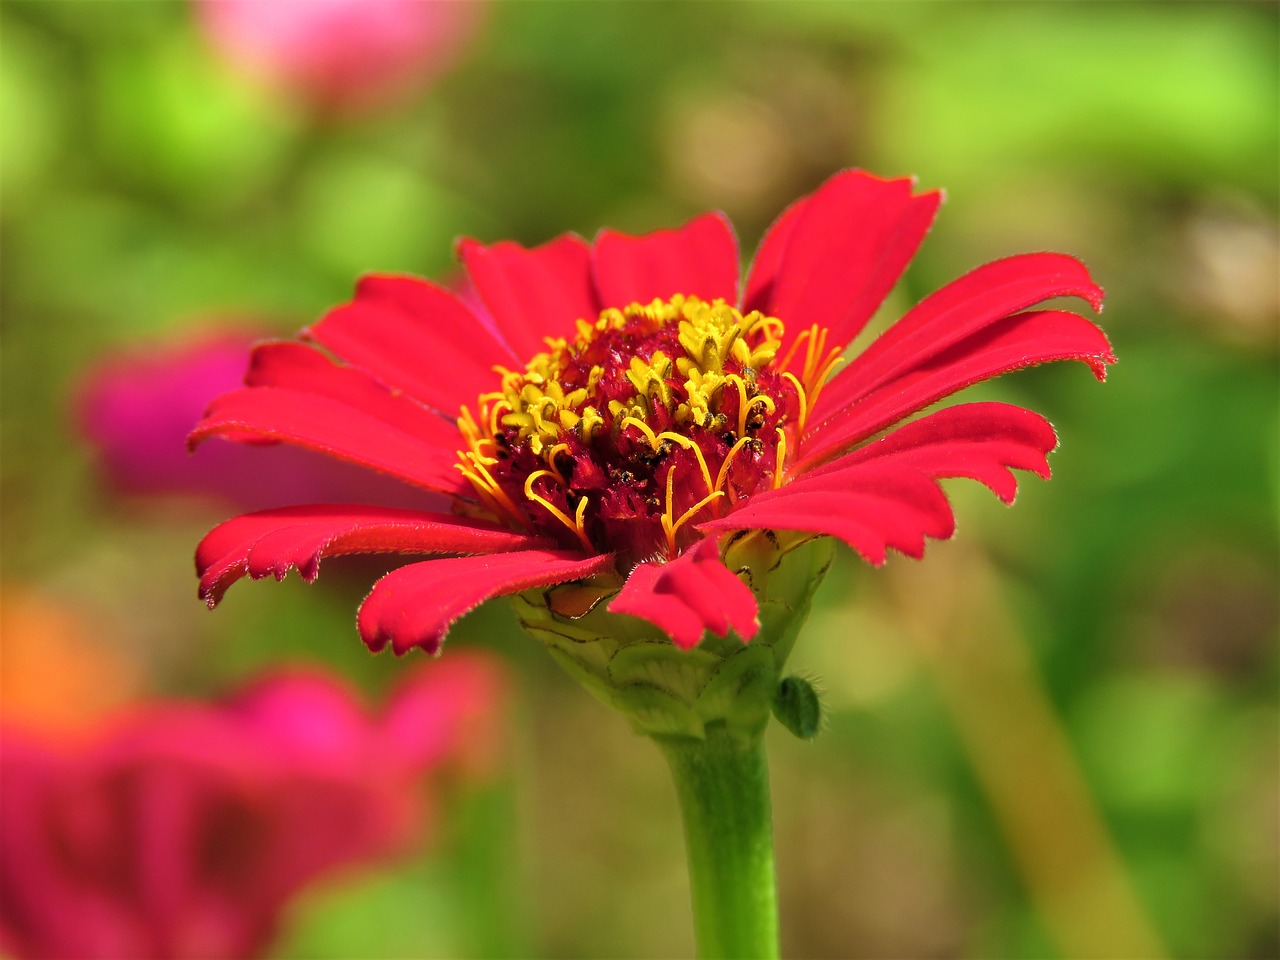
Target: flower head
{"points": [[186, 829], [616, 417]]}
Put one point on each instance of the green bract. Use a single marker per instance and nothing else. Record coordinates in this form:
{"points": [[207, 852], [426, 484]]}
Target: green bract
{"points": [[664, 691]]}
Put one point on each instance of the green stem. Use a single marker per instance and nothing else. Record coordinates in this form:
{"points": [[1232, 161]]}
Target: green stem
{"points": [[723, 787]]}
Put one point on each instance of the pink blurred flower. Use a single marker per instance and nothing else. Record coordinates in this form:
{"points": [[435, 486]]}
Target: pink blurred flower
{"points": [[186, 829], [136, 408], [345, 56]]}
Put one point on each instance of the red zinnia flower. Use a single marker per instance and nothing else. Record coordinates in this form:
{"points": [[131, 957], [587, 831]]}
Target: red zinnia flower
{"points": [[616, 408]]}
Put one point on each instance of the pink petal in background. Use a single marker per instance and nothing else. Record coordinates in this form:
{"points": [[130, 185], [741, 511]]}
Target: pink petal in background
{"points": [[342, 56]]}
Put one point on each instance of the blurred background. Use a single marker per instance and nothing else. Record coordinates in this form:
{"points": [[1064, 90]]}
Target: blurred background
{"points": [[1057, 736]]}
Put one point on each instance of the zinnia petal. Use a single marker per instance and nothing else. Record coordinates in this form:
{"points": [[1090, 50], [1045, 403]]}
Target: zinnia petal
{"points": [[699, 259], [331, 427], [690, 595], [532, 293], [414, 336], [1023, 340], [960, 309], [415, 605], [870, 508], [981, 441], [833, 257], [270, 542], [290, 365]]}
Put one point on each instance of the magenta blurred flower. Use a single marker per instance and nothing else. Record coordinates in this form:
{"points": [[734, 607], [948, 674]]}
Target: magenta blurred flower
{"points": [[186, 829], [345, 56], [135, 408]]}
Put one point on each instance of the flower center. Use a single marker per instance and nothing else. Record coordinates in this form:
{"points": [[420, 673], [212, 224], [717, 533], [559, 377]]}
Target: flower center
{"points": [[651, 418]]}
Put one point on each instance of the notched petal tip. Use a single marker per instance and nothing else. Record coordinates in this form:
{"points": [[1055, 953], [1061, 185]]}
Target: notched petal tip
{"points": [[1098, 364], [690, 596]]}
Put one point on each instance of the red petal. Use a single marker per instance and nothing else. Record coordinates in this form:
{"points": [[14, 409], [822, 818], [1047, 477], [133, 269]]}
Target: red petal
{"points": [[532, 294], [295, 366], [981, 441], [763, 272], [416, 337], [415, 605], [331, 427], [691, 594], [960, 309], [1022, 340], [271, 541], [699, 259], [833, 257], [870, 508]]}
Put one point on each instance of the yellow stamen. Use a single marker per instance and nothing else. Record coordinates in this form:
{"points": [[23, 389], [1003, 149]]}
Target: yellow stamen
{"points": [[741, 384], [494, 411], [551, 462], [644, 428], [672, 528], [818, 382], [801, 337], [780, 458], [761, 398], [575, 524], [817, 340], [728, 460], [487, 488], [801, 397], [697, 452]]}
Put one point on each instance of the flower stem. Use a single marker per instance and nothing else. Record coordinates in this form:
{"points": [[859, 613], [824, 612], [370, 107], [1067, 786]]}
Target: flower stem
{"points": [[723, 787]]}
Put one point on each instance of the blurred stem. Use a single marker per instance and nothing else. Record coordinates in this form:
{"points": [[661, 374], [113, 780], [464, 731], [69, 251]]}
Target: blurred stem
{"points": [[723, 787]]}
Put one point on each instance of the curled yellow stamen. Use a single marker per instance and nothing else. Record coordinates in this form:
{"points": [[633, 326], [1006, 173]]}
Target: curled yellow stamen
{"points": [[644, 428], [499, 405], [487, 488], [575, 524], [765, 400], [671, 528], [802, 398], [738, 382], [819, 381], [801, 337], [728, 461], [551, 462], [697, 452], [771, 327]]}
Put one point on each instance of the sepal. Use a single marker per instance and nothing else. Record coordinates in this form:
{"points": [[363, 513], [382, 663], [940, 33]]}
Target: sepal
{"points": [[723, 682]]}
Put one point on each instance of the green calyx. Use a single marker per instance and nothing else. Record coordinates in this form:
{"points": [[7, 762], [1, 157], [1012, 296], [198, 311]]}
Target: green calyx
{"points": [[667, 692]]}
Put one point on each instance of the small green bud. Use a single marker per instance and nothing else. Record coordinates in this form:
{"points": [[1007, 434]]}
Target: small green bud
{"points": [[796, 705]]}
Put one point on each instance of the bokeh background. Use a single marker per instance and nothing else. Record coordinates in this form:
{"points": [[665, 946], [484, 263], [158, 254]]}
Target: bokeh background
{"points": [[1057, 736]]}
